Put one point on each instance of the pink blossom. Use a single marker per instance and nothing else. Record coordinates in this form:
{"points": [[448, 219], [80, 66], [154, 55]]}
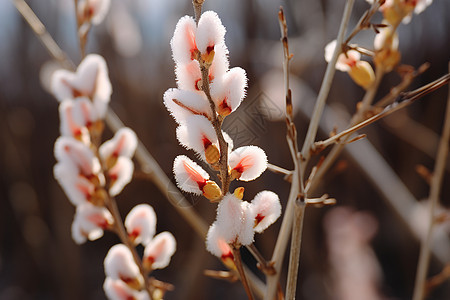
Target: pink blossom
{"points": [[90, 81], [92, 10], [123, 143], [197, 134], [74, 122], [234, 221], [89, 222], [190, 177], [120, 175], [141, 224], [158, 252], [344, 62], [120, 265], [266, 209], [119, 290], [182, 103], [188, 39], [247, 163], [229, 91], [77, 170]]}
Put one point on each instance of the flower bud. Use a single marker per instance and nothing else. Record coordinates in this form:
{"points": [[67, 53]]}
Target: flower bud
{"points": [[362, 74], [212, 191]]}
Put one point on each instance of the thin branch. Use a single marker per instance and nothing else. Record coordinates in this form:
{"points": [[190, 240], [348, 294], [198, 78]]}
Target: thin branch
{"points": [[326, 84], [435, 188], [240, 268], [43, 35], [197, 8], [279, 170], [263, 265], [405, 99]]}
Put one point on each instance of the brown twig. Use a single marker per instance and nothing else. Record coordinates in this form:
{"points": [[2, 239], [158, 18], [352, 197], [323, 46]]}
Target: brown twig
{"points": [[435, 188], [197, 8], [263, 265], [403, 100], [240, 268]]}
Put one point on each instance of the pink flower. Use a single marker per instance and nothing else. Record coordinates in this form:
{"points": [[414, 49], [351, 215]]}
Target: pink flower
{"points": [[247, 163], [123, 143], [77, 170], [199, 135], [266, 209], [234, 221], [217, 246], [76, 118], [90, 81], [120, 265], [360, 71], [119, 290], [89, 223], [158, 252], [182, 103], [141, 224], [92, 10], [229, 91], [188, 38]]}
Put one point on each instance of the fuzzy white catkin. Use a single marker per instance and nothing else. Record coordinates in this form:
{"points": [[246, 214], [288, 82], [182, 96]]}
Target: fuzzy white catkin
{"points": [[220, 63], [252, 159], [122, 171], [233, 221], [160, 249], [73, 120], [90, 79], [188, 173], [141, 219], [230, 87], [194, 101], [119, 290], [183, 40], [188, 76], [119, 263], [88, 222], [80, 155], [123, 143], [210, 31], [266, 204], [191, 134]]}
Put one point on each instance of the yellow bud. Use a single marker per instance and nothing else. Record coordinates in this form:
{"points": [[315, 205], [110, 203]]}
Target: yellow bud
{"points": [[158, 294], [133, 283], [387, 59], [208, 57], [98, 197], [235, 174], [212, 154], [224, 110], [362, 73], [212, 191], [239, 192], [228, 261], [110, 161]]}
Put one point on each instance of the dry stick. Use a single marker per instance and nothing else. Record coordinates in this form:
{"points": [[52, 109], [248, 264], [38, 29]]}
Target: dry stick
{"points": [[326, 84], [42, 33], [197, 8], [145, 159], [297, 187], [239, 266], [286, 226], [387, 111], [435, 187]]}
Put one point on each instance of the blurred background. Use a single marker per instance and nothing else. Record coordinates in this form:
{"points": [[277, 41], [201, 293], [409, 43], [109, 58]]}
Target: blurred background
{"points": [[38, 258]]}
